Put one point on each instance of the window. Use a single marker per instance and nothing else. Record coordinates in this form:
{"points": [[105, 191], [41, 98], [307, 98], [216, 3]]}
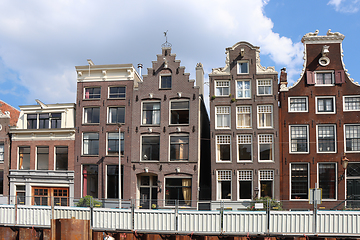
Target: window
{"points": [[113, 143], [44, 120], [266, 183], [243, 89], [32, 121], [42, 158], [24, 158], [266, 147], [150, 148], [352, 138], [61, 196], [178, 189], [61, 158], [117, 92], [55, 119], [299, 142], [92, 93], [243, 116], [165, 82], [151, 113], [223, 143], [244, 147], [325, 104], [222, 117], [179, 148], [41, 196], [326, 138], [90, 180], [245, 184], [112, 181], [116, 115], [242, 67], [324, 78], [92, 115], [148, 191], [351, 103], [223, 184], [265, 116], [91, 143], [20, 194], [327, 180], [298, 104], [179, 112], [222, 88], [299, 181], [1, 182], [1, 152], [264, 87]]}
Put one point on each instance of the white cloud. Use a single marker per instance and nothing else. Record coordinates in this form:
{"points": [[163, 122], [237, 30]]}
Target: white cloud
{"points": [[43, 40], [345, 6]]}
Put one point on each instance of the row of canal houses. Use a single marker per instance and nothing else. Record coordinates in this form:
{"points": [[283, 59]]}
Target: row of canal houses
{"points": [[264, 138]]}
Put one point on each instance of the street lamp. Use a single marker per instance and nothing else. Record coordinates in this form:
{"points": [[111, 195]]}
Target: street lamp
{"points": [[119, 125]]}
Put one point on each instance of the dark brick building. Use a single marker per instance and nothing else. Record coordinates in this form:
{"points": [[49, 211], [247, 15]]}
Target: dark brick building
{"points": [[244, 127], [319, 122], [168, 122], [104, 102]]}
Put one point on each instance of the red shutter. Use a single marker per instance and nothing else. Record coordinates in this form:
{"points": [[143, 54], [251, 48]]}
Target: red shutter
{"points": [[339, 77], [310, 77]]}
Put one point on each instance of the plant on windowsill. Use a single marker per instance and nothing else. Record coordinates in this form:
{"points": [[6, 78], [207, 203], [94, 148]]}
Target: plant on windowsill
{"points": [[273, 203], [233, 100], [213, 97], [88, 201]]}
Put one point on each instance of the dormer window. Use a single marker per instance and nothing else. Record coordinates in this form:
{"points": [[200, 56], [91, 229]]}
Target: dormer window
{"points": [[165, 82], [242, 67]]}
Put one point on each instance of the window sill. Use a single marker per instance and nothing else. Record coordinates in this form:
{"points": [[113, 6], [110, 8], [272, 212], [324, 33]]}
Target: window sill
{"points": [[90, 99], [150, 125], [243, 127], [298, 111], [325, 152], [122, 123], [179, 124], [123, 98], [325, 112], [224, 161], [299, 152], [266, 161], [89, 155], [244, 161], [299, 200], [264, 95], [89, 124]]}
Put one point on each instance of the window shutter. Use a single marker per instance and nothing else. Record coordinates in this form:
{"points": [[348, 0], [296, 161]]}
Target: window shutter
{"points": [[310, 77], [339, 77]]}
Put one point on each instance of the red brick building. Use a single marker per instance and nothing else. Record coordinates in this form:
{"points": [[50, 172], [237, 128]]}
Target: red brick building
{"points": [[319, 125]]}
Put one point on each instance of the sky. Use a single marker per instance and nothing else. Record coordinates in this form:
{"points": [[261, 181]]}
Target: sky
{"points": [[42, 41]]}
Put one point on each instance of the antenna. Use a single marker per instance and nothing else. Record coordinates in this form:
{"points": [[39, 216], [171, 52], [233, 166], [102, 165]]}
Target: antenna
{"points": [[166, 44]]}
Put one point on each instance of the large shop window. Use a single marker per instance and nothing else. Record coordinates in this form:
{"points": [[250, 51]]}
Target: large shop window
{"points": [[150, 148], [327, 180], [224, 184], [179, 112], [299, 181], [151, 113], [91, 143], [352, 135], [24, 158], [245, 184], [266, 183], [179, 148], [223, 148], [113, 143], [42, 158], [90, 180], [61, 158], [178, 189], [42, 196]]}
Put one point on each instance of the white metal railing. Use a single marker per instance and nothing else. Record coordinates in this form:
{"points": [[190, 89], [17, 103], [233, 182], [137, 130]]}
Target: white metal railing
{"points": [[191, 221]]}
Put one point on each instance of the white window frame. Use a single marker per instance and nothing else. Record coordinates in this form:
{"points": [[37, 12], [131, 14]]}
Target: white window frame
{"points": [[227, 176], [306, 102], [222, 111], [84, 97], [116, 87], [165, 75], [84, 114], [308, 180], [108, 114], [82, 144], [325, 97], [245, 176], [259, 111], [259, 83], [244, 139], [222, 142], [238, 69], [237, 90], [324, 85], [36, 156], [188, 146], [122, 134], [266, 175], [307, 139], [336, 180], [55, 155], [317, 138], [263, 141], [141, 147], [2, 152], [345, 145], [142, 113], [170, 109], [350, 96], [222, 83], [242, 110]]}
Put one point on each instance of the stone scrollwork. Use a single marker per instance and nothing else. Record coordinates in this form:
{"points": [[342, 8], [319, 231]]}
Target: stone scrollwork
{"points": [[260, 68]]}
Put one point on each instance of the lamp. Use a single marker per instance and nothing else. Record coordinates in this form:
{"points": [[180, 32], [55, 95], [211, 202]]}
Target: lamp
{"points": [[344, 163]]}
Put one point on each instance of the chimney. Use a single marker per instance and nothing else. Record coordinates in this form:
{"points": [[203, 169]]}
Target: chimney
{"points": [[200, 78], [140, 66], [283, 77]]}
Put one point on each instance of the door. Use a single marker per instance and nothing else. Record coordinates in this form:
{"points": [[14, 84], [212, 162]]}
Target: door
{"points": [[148, 192], [353, 185]]}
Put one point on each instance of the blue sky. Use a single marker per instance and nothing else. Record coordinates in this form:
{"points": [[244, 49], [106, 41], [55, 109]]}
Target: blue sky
{"points": [[42, 41]]}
